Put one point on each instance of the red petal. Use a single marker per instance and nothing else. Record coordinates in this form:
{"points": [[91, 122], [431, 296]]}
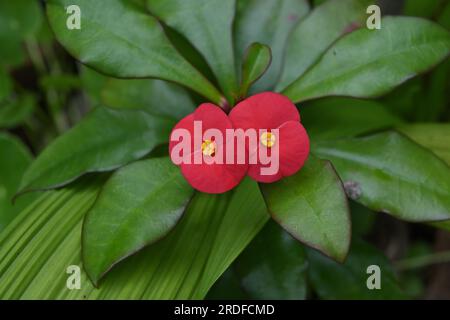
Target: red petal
{"points": [[185, 123], [293, 152], [213, 178], [209, 178], [267, 110], [294, 147], [211, 117]]}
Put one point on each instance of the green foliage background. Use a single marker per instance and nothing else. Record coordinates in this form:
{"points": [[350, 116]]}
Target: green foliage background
{"points": [[85, 117]]}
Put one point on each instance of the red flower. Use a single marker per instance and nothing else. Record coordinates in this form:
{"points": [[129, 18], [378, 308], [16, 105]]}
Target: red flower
{"points": [[268, 111], [210, 173]]}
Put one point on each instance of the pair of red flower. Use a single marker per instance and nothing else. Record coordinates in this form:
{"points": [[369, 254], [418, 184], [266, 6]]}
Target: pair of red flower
{"points": [[209, 167]]}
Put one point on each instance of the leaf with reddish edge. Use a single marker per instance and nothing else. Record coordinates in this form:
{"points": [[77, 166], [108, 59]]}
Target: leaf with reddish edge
{"points": [[137, 49], [317, 32], [207, 24], [137, 206], [312, 206], [269, 22], [103, 140], [403, 48], [390, 173]]}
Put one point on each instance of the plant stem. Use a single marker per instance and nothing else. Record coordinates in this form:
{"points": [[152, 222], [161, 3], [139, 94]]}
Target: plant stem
{"points": [[51, 95]]}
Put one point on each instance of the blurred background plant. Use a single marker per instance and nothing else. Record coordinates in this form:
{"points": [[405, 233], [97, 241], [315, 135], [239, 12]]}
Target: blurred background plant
{"points": [[44, 92]]}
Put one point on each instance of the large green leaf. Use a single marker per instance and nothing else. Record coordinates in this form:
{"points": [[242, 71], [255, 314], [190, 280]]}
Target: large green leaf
{"points": [[434, 136], [401, 49], [207, 25], [273, 266], [138, 205], [104, 140], [268, 22], [314, 35], [332, 280], [332, 118], [154, 96], [45, 239], [136, 49], [390, 173], [14, 159], [93, 82], [256, 61], [311, 205]]}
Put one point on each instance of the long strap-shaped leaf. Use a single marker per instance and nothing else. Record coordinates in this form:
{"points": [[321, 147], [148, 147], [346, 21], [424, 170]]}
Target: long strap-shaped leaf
{"points": [[37, 248], [121, 40], [14, 159]]}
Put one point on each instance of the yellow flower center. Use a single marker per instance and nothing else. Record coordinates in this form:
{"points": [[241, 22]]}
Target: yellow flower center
{"points": [[208, 148], [268, 139]]}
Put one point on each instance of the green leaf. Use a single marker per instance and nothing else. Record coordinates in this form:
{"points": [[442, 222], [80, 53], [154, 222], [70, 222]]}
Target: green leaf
{"points": [[45, 239], [403, 48], [445, 225], [390, 173], [273, 266], [433, 136], [104, 140], [444, 17], [18, 20], [332, 280], [153, 96], [64, 82], [332, 118], [297, 204], [12, 54], [15, 158], [138, 49], [432, 105], [93, 83], [317, 32], [256, 61], [15, 112], [363, 219], [207, 25], [138, 206], [268, 22]]}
